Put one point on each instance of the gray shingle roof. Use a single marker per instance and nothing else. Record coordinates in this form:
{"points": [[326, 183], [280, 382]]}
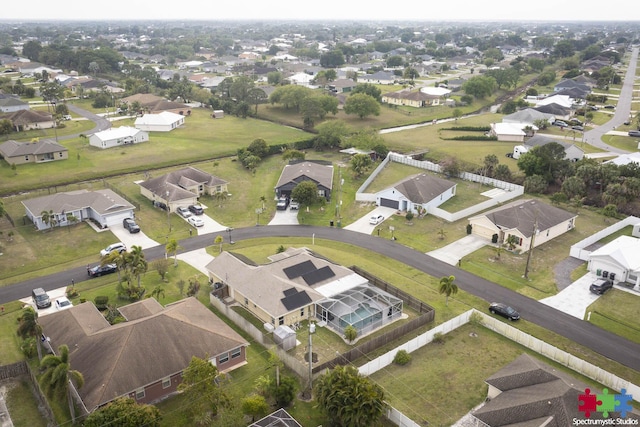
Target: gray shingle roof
{"points": [[174, 182], [423, 188], [102, 201], [16, 149], [297, 172]]}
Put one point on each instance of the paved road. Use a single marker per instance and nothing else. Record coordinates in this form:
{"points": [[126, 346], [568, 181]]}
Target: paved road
{"points": [[579, 331], [101, 122]]}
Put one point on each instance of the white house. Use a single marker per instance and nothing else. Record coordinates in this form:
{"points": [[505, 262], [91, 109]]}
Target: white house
{"points": [[620, 257], [116, 137], [423, 190], [508, 131], [165, 121]]}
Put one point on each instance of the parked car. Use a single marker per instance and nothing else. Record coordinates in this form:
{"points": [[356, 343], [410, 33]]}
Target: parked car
{"points": [[600, 286], [195, 221], [610, 107], [560, 123], [294, 205], [160, 205], [120, 247], [183, 212], [627, 122], [66, 117], [580, 128], [282, 204], [196, 210], [504, 311], [131, 225], [376, 219], [101, 270], [634, 133], [63, 303], [40, 298]]}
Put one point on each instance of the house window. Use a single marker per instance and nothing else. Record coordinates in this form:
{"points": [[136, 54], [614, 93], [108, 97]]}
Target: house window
{"points": [[140, 393], [246, 301], [236, 353], [273, 321], [321, 193], [26, 158], [302, 312], [224, 358], [60, 154], [166, 382], [218, 189], [281, 320], [547, 233]]}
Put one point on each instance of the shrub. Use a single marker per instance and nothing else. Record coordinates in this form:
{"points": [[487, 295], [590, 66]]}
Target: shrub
{"points": [[101, 302], [438, 338], [402, 358]]}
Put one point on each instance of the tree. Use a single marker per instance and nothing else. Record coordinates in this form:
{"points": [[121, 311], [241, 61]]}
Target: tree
{"points": [[479, 86], [161, 265], [259, 148], [332, 59], [201, 393], [137, 263], [574, 186], [218, 241], [157, 292], [362, 105], [124, 412], [448, 287], [172, 247], [28, 327], [348, 398], [255, 406], [490, 163], [330, 135], [360, 163], [368, 89], [535, 184], [306, 193], [58, 376], [350, 333]]}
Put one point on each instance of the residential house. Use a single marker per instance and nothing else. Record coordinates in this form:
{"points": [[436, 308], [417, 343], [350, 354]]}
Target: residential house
{"points": [[620, 259], [297, 172], [529, 221], [104, 207], [23, 120], [165, 121], [145, 356], [571, 84], [563, 100], [182, 187], [511, 132], [560, 112], [156, 104], [410, 98], [419, 191], [528, 116], [342, 85], [18, 153], [572, 151], [10, 104], [116, 137], [302, 79], [625, 159], [379, 78]]}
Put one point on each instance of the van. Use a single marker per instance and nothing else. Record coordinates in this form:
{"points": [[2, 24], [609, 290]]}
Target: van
{"points": [[40, 298]]}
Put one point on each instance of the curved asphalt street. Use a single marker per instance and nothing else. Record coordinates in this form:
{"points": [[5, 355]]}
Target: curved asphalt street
{"points": [[610, 345]]}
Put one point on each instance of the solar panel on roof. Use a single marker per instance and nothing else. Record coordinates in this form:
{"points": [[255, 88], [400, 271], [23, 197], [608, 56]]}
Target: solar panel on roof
{"points": [[289, 292], [318, 275], [298, 270], [297, 300]]}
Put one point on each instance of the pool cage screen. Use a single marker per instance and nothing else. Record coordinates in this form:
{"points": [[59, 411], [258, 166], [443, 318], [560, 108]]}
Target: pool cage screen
{"points": [[364, 307]]}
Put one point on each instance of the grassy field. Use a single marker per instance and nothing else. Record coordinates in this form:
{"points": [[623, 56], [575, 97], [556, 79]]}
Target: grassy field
{"points": [[22, 404], [617, 312]]}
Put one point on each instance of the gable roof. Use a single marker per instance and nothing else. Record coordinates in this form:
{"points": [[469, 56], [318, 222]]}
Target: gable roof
{"points": [[422, 188], [625, 250], [12, 102], [115, 133], [523, 214], [539, 140], [528, 115], [117, 359], [297, 172], [553, 108], [163, 118], [13, 148], [176, 182], [102, 201], [27, 117]]}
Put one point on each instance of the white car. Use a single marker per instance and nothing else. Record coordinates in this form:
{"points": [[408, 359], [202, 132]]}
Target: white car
{"points": [[376, 219], [184, 212], [120, 247], [294, 205], [195, 221], [63, 303]]}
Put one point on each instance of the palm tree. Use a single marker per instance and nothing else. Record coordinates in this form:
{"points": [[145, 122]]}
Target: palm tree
{"points": [[218, 241], [220, 197], [46, 217], [157, 291], [137, 263], [29, 327], [58, 376], [117, 258], [172, 247], [447, 287]]}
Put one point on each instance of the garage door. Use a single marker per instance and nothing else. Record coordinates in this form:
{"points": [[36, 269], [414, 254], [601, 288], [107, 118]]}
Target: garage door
{"points": [[117, 218], [388, 203]]}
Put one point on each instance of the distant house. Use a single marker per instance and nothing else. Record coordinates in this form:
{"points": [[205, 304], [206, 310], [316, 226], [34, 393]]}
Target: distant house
{"points": [[182, 187], [104, 207], [625, 159], [46, 150], [380, 78], [144, 357], [571, 151], [342, 85], [157, 104], [411, 98], [295, 173], [527, 220], [511, 132], [571, 84], [528, 116], [423, 190], [116, 137], [620, 257], [23, 120], [10, 105], [165, 121]]}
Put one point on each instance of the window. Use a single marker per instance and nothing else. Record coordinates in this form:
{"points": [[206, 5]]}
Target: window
{"points": [[281, 320], [166, 382], [236, 353], [223, 358], [302, 312], [273, 321], [246, 301], [140, 393]]}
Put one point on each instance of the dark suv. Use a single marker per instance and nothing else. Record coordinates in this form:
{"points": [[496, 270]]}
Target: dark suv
{"points": [[196, 210], [40, 298], [600, 286], [130, 225]]}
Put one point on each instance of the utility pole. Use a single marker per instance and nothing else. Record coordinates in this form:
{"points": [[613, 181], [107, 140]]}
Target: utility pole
{"points": [[312, 329], [531, 246]]}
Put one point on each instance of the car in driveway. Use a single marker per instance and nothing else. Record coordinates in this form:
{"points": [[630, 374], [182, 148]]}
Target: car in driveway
{"points": [[578, 127], [282, 204], [504, 310], [120, 247], [130, 224], [634, 133], [600, 286], [183, 212], [101, 270], [63, 303], [376, 219], [294, 205], [560, 123], [196, 210], [195, 221]]}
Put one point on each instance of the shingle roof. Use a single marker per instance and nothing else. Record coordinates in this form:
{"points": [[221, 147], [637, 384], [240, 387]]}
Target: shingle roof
{"points": [[173, 182], [297, 172], [121, 358], [102, 201], [423, 188], [27, 117], [15, 149]]}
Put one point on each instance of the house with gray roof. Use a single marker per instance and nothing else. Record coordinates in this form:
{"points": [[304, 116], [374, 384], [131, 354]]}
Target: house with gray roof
{"points": [[529, 116], [380, 78], [104, 207], [529, 221], [294, 173], [423, 190], [23, 120], [182, 187], [46, 150], [10, 104], [145, 356], [571, 151]]}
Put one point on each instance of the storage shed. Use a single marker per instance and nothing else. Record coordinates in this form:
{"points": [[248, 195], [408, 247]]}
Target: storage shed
{"points": [[285, 337]]}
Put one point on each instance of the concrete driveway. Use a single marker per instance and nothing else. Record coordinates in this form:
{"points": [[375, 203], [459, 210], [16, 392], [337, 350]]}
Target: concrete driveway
{"points": [[453, 252], [138, 239], [286, 217], [210, 225], [53, 295], [575, 298], [362, 225], [198, 259]]}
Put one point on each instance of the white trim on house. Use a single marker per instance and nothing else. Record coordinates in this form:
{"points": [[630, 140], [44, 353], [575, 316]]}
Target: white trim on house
{"points": [[116, 137]]}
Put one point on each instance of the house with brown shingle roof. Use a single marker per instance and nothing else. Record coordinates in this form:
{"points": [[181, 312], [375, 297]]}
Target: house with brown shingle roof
{"points": [[157, 104], [422, 190], [527, 220], [411, 98], [24, 120], [46, 150], [182, 187], [143, 357], [296, 172]]}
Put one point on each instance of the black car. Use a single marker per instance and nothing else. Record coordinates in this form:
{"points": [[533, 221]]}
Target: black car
{"points": [[196, 210], [504, 311], [130, 225], [600, 286], [101, 270]]}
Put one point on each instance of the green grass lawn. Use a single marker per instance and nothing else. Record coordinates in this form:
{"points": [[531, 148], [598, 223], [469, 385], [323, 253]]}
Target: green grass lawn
{"points": [[22, 405], [617, 312]]}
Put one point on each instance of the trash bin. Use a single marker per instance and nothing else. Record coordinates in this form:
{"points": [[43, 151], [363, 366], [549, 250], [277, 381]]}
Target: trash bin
{"points": [[330, 223]]}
